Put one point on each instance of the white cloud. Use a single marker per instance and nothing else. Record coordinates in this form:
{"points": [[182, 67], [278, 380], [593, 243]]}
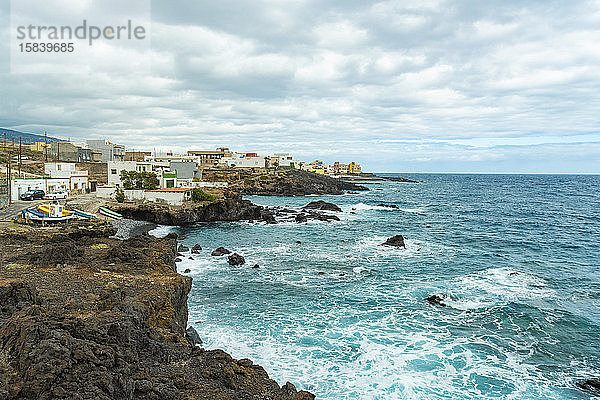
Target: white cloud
{"points": [[427, 85]]}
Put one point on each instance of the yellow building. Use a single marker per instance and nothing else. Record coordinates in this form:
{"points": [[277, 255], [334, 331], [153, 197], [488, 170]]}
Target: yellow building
{"points": [[37, 146]]}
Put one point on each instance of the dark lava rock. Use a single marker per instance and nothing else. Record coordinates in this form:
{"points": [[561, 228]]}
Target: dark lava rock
{"points": [[230, 209], [190, 258], [321, 273], [388, 205], [395, 241], [322, 217], [321, 205], [187, 271], [301, 218], [296, 183], [196, 249], [220, 252], [192, 336], [178, 259], [256, 266], [590, 385], [437, 300], [298, 242], [183, 248], [236, 259], [72, 333]]}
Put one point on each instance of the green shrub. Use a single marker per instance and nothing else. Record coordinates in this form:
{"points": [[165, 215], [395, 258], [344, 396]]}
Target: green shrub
{"points": [[198, 195], [119, 195]]}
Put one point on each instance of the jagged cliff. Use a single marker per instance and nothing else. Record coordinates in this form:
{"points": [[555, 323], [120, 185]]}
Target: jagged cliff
{"points": [[232, 209], [83, 316], [294, 183]]}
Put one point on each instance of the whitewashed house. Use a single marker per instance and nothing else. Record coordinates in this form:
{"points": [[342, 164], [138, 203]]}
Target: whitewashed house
{"points": [[78, 180]]}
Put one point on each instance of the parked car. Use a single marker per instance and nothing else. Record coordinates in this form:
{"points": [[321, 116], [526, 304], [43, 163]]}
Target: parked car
{"points": [[32, 195], [61, 194]]}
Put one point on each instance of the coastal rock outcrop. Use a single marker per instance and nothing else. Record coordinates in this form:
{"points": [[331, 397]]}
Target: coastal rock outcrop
{"points": [[220, 251], [231, 209], [236, 259], [590, 385], [322, 205], [395, 241], [295, 183], [110, 323], [437, 300], [196, 249], [300, 218], [387, 205]]}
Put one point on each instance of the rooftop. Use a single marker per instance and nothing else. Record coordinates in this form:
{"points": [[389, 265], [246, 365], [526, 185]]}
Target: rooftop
{"points": [[176, 190]]}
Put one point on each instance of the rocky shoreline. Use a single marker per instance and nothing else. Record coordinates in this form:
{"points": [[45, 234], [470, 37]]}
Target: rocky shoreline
{"points": [[87, 316], [295, 183], [232, 209]]}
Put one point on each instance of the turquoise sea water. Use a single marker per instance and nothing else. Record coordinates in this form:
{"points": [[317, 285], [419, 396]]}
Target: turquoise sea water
{"points": [[345, 318]]}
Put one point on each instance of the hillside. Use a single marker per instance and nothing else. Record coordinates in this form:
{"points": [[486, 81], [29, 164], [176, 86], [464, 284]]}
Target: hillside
{"points": [[26, 138]]}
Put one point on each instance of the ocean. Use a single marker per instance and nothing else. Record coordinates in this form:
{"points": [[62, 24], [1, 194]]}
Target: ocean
{"points": [[517, 256]]}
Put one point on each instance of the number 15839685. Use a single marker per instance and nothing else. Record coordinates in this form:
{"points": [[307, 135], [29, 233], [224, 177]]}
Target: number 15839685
{"points": [[46, 47]]}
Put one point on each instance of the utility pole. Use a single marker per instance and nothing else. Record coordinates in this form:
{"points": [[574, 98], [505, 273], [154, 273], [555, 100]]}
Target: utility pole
{"points": [[58, 151], [20, 169], [45, 147], [8, 175]]}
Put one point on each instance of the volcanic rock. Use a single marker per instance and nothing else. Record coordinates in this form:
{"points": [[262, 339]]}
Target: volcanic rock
{"points": [[220, 252], [183, 248], [300, 218], [192, 336], [590, 385], [437, 300], [322, 205], [196, 249], [395, 241], [236, 259]]}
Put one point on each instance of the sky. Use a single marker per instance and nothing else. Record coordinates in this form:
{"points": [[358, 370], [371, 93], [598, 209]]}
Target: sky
{"points": [[501, 86]]}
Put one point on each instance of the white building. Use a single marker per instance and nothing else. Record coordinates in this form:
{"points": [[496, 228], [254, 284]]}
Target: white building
{"points": [[283, 160], [18, 186], [109, 150], [115, 168], [77, 179], [244, 160]]}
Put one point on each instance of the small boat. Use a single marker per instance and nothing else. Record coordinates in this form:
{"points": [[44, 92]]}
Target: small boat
{"points": [[109, 213], [54, 213], [46, 209], [82, 214]]}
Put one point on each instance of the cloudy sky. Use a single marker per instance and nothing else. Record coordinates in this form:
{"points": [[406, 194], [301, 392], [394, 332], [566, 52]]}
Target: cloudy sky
{"points": [[407, 86]]}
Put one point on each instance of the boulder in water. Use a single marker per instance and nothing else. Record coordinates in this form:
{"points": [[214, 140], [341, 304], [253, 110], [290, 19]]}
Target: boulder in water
{"points": [[301, 218], [187, 271], [590, 385], [388, 205], [196, 249], [395, 241], [256, 266], [236, 259], [437, 300], [322, 205], [178, 259], [220, 252], [182, 248]]}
